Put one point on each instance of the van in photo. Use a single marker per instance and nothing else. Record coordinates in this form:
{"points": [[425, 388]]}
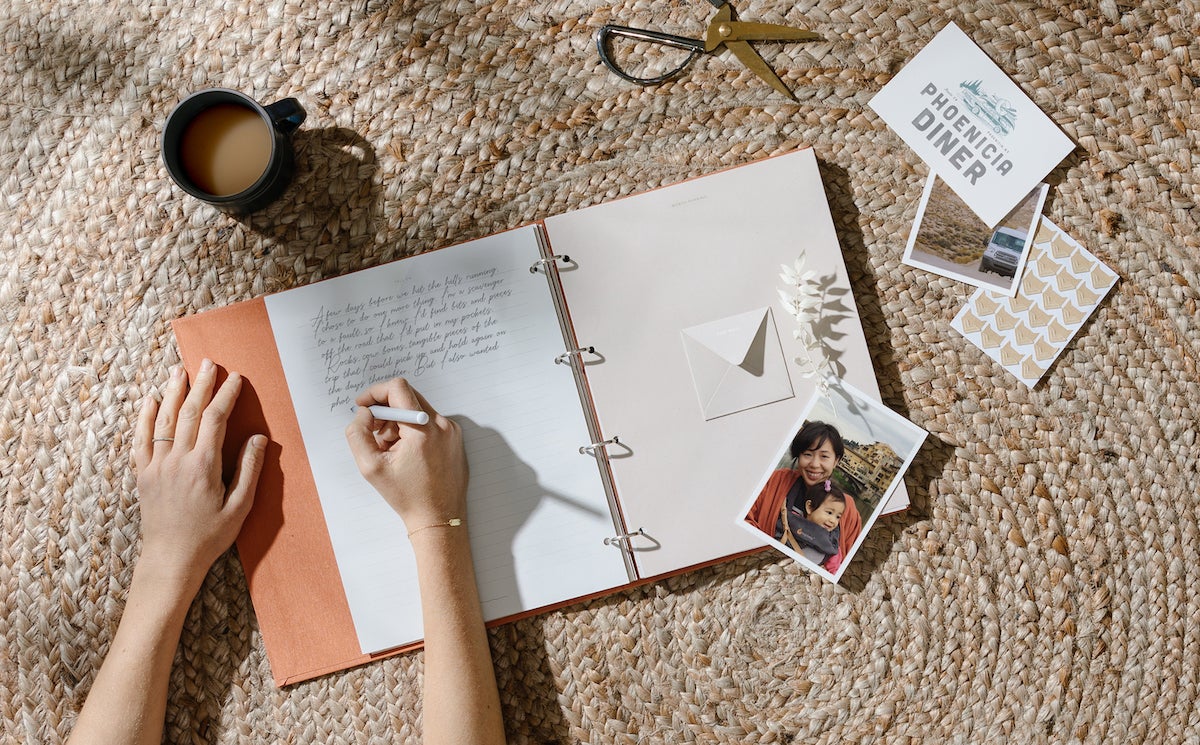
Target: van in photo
{"points": [[1003, 252]]}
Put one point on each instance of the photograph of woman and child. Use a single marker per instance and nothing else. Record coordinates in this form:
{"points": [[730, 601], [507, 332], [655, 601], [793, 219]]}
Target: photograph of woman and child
{"points": [[843, 461]]}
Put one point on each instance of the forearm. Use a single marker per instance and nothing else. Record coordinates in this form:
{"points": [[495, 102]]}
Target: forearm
{"points": [[128, 699], [421, 470], [461, 703], [189, 517]]}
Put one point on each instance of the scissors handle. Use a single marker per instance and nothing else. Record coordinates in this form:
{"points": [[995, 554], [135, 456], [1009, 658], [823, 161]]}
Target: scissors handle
{"points": [[695, 46]]}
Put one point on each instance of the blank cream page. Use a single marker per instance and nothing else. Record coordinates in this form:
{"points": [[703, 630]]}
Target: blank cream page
{"points": [[476, 333], [651, 265]]}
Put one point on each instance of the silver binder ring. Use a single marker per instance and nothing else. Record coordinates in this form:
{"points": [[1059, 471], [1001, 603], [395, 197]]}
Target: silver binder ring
{"points": [[565, 357], [533, 268], [593, 447], [622, 541]]}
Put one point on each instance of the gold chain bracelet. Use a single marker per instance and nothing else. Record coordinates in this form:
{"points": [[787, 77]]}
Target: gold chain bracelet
{"points": [[453, 522]]}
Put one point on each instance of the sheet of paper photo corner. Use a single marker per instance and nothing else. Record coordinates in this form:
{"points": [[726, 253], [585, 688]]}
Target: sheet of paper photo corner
{"points": [[706, 251], [971, 124]]}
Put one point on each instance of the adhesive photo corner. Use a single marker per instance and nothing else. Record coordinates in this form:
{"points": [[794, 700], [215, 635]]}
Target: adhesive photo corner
{"points": [[737, 363], [820, 515], [1061, 287], [949, 239]]}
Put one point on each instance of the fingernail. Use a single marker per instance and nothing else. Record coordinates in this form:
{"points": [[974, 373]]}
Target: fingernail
{"points": [[206, 365], [177, 372], [258, 441]]}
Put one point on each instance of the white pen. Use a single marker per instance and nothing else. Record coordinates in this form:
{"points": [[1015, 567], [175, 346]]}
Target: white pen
{"points": [[407, 416]]}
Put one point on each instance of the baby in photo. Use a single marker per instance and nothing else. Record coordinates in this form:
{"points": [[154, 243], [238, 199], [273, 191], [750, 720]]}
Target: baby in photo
{"points": [[813, 526]]}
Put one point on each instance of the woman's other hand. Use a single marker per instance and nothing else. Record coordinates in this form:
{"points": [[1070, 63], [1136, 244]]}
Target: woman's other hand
{"points": [[189, 516]]}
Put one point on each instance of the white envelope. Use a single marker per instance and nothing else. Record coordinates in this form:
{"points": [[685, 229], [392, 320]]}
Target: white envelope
{"points": [[737, 363]]}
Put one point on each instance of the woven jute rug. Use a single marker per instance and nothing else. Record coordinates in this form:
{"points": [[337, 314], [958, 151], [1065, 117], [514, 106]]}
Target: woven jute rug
{"points": [[1045, 585]]}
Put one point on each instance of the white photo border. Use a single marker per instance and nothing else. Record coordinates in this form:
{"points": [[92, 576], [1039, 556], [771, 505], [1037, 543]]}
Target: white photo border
{"points": [[839, 391], [1011, 289]]}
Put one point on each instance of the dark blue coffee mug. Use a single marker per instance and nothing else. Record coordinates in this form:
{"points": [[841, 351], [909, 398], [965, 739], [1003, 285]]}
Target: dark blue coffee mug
{"points": [[269, 147]]}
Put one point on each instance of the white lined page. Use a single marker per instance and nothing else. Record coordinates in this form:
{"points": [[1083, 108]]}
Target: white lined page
{"points": [[537, 511]]}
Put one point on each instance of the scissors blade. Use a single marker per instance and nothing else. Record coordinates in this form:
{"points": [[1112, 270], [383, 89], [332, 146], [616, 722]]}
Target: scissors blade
{"points": [[745, 31], [751, 59]]}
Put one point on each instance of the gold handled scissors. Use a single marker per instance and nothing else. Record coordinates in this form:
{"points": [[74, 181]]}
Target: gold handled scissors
{"points": [[723, 30]]}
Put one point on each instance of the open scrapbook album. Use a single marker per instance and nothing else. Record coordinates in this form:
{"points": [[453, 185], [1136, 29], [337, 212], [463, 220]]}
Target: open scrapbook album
{"points": [[616, 371]]}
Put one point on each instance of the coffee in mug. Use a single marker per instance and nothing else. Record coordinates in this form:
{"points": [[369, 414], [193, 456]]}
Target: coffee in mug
{"points": [[226, 149]]}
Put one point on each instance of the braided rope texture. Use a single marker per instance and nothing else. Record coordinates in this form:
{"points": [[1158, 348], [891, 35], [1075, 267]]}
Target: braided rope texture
{"points": [[1045, 586]]}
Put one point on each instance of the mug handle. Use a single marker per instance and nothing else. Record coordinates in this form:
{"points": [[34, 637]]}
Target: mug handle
{"points": [[286, 115]]}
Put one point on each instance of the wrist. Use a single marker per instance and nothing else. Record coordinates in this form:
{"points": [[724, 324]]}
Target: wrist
{"points": [[440, 537], [420, 517], [174, 576], [444, 557]]}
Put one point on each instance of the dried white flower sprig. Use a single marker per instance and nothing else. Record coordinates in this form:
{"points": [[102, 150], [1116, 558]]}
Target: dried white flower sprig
{"points": [[802, 300]]}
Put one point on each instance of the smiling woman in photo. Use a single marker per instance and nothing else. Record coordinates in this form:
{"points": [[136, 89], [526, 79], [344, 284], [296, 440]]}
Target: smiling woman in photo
{"points": [[816, 450]]}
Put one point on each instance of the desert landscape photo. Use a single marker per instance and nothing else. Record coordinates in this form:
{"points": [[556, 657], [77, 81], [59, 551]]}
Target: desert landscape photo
{"points": [[950, 230]]}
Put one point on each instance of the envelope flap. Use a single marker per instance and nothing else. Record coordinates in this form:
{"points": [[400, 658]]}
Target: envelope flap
{"points": [[731, 338]]}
